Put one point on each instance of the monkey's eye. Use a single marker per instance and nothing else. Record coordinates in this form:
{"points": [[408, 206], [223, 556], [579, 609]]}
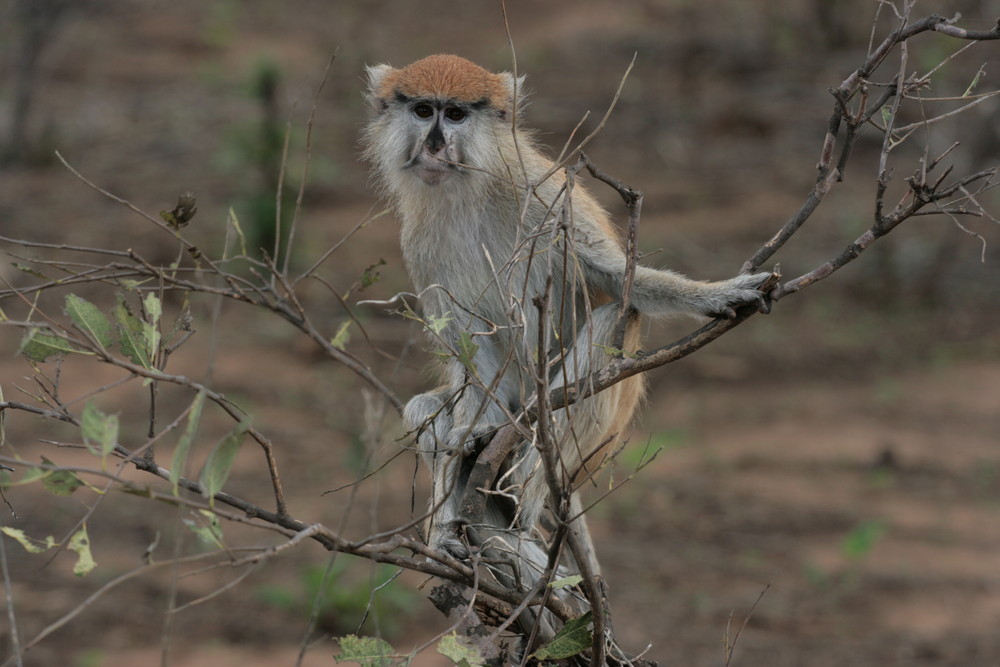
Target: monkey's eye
{"points": [[423, 111], [454, 114]]}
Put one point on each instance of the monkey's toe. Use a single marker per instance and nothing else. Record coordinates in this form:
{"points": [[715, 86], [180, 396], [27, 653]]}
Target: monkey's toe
{"points": [[454, 548], [763, 303], [469, 442]]}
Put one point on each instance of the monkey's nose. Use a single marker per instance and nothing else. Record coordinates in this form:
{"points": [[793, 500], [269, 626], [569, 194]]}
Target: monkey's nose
{"points": [[435, 142]]}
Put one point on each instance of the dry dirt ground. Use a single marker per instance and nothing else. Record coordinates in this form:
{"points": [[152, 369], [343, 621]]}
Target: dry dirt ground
{"points": [[838, 459]]}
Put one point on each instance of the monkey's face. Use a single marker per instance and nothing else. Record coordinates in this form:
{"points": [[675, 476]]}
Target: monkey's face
{"points": [[438, 134], [437, 122]]}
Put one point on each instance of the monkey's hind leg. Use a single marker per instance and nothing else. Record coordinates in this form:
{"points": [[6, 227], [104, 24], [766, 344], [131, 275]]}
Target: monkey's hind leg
{"points": [[580, 431], [430, 416]]}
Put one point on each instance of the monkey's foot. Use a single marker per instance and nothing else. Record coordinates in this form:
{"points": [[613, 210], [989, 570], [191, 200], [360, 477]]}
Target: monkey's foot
{"points": [[448, 538], [470, 440]]}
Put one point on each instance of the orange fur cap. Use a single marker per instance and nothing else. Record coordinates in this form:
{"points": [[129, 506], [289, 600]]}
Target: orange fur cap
{"points": [[447, 77]]}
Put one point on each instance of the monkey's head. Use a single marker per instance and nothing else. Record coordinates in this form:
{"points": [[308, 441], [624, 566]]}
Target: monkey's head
{"points": [[437, 121]]}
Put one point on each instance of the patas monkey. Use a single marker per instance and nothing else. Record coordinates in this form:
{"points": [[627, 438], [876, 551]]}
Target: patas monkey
{"points": [[482, 233]]}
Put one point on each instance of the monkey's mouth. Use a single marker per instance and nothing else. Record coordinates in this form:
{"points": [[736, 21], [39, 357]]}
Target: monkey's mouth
{"points": [[432, 169]]}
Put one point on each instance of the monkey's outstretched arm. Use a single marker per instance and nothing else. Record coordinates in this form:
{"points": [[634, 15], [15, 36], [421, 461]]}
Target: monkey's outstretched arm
{"points": [[664, 292], [659, 292]]}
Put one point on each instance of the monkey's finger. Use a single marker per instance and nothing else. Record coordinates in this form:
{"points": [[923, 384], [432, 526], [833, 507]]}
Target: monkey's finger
{"points": [[763, 303], [469, 448]]}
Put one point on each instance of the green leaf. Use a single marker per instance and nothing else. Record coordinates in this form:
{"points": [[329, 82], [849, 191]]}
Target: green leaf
{"points": [[368, 651], [459, 653], [566, 582], [59, 482], [89, 319], [146, 492], [467, 351], [130, 284], [860, 541], [3, 422], [29, 270], [437, 324], [371, 274], [181, 214], [38, 346], [183, 322], [975, 81], [80, 543], [131, 337], [179, 459], [342, 336], [32, 475], [220, 461], [573, 638], [98, 428], [30, 545], [209, 531]]}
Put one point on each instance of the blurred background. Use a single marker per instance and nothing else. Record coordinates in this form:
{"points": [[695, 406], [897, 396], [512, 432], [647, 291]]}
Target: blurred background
{"points": [[842, 452]]}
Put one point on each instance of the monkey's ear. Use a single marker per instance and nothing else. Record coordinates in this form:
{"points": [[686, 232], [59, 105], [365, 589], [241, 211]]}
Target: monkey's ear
{"points": [[376, 76], [515, 90]]}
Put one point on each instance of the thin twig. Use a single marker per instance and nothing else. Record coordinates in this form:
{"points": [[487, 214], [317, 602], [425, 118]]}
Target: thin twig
{"points": [[731, 645], [15, 640], [306, 163]]}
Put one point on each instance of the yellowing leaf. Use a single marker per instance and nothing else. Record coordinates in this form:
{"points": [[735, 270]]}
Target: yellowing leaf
{"points": [[368, 651], [30, 545], [235, 223], [150, 329], [342, 336], [565, 582], [463, 656], [80, 543]]}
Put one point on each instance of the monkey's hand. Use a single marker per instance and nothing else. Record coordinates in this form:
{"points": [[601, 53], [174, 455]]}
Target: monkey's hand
{"points": [[724, 296]]}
